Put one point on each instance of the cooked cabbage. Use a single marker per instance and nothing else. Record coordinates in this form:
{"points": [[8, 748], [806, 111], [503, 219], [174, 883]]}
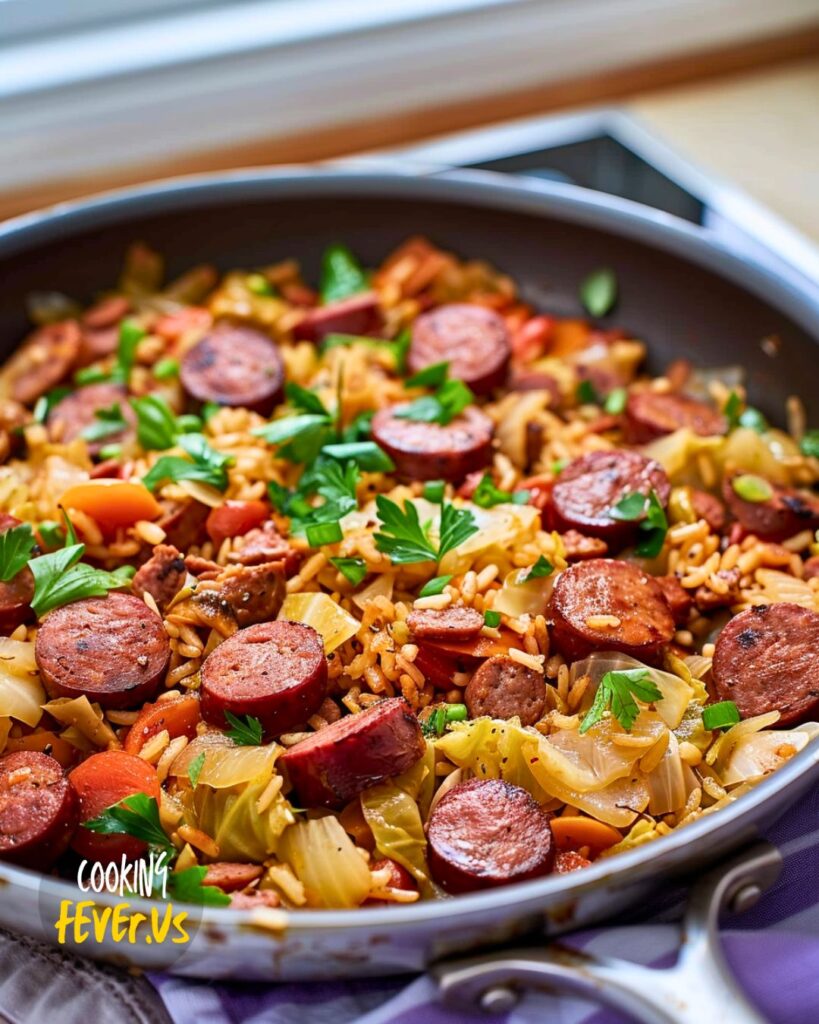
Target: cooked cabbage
{"points": [[225, 764], [323, 614], [325, 861], [232, 819], [21, 692], [757, 754]]}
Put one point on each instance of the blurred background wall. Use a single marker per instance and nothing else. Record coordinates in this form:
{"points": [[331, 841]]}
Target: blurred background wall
{"points": [[95, 94]]}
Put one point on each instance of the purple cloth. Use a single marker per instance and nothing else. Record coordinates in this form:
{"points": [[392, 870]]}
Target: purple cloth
{"points": [[773, 950]]}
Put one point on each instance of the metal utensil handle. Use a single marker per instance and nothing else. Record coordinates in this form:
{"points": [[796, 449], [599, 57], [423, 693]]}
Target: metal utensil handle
{"points": [[699, 987]]}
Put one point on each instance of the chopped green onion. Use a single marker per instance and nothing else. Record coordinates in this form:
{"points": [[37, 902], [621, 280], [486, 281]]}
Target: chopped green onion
{"points": [[542, 567], [91, 375], [752, 488], [367, 454], [809, 445], [323, 533], [110, 451], [434, 491], [587, 393], [616, 401], [491, 619], [558, 466], [720, 716], [598, 292], [352, 569], [209, 409], [166, 368], [456, 713], [753, 420], [187, 423], [432, 376], [259, 285], [435, 586]]}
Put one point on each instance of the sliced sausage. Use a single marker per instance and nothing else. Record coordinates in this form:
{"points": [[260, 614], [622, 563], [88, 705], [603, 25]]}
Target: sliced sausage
{"points": [[485, 833], [503, 688], [266, 544], [586, 491], [577, 547], [100, 329], [650, 414], [708, 600], [230, 877], [38, 809], [433, 451], [780, 516], [472, 339], [184, 523], [100, 781], [765, 660], [43, 360], [680, 600], [78, 411], [255, 898], [604, 586], [360, 315], [251, 594], [234, 365], [708, 507], [359, 751], [15, 594], [275, 671], [114, 650], [445, 624], [162, 576]]}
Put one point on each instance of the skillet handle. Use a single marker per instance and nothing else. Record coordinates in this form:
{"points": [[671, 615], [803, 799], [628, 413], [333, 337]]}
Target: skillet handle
{"points": [[699, 987]]}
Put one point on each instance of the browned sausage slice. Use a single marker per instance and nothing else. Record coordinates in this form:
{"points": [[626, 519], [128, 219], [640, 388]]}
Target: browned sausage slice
{"points": [[184, 523], [78, 411], [161, 576], [650, 414], [778, 516], [358, 751], [604, 586], [265, 544], [100, 328], [472, 339], [577, 547], [16, 593], [446, 624], [359, 315], [253, 594], [503, 688], [44, 359], [680, 600], [275, 671], [230, 876], [114, 650], [432, 451], [234, 365], [587, 490], [485, 833], [765, 660], [709, 508], [38, 809]]}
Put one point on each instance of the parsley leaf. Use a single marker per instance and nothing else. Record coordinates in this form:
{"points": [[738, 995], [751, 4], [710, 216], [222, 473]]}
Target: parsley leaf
{"points": [[586, 393], [434, 586], [108, 421], [195, 768], [156, 423], [305, 400], [367, 455], [435, 724], [60, 578], [653, 520], [45, 403], [732, 409], [186, 887], [136, 815], [748, 417], [405, 540], [598, 292], [809, 445], [205, 464], [617, 691], [16, 546], [245, 731], [352, 569], [487, 495], [449, 399], [341, 274], [542, 567]]}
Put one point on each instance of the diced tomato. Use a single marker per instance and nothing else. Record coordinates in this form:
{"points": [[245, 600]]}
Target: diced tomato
{"points": [[235, 519]]}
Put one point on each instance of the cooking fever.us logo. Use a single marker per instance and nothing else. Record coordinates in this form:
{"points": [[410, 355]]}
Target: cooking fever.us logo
{"points": [[131, 856]]}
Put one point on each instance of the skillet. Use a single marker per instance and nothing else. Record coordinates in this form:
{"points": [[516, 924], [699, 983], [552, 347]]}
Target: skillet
{"points": [[686, 294]]}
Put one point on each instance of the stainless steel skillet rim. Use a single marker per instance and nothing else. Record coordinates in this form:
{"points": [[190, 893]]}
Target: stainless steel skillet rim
{"points": [[481, 188]]}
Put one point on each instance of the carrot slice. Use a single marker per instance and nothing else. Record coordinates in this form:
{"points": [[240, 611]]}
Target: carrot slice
{"points": [[179, 716], [573, 831], [112, 503], [47, 743], [100, 781]]}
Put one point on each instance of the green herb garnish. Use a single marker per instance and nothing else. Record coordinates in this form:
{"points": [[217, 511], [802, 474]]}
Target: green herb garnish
{"points": [[405, 540], [449, 399], [653, 525], [205, 464], [434, 491], [16, 545], [434, 586], [166, 369], [598, 292], [542, 567], [245, 731], [809, 445], [752, 488], [367, 455], [60, 578], [396, 349], [323, 533], [435, 724], [259, 285], [195, 768], [186, 887], [491, 618], [586, 393], [341, 274], [487, 495], [108, 421], [45, 403], [136, 815], [617, 692], [616, 401]]}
